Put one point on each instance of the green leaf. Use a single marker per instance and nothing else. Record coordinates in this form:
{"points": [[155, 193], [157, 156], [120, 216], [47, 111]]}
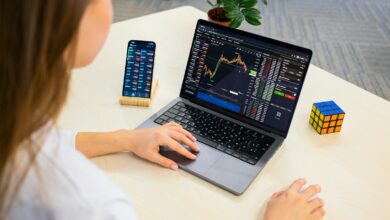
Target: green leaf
{"points": [[253, 21], [230, 5], [236, 22], [234, 13], [247, 3], [251, 12], [252, 16]]}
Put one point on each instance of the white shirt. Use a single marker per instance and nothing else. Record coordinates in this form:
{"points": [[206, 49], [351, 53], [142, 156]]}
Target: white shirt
{"points": [[68, 186]]}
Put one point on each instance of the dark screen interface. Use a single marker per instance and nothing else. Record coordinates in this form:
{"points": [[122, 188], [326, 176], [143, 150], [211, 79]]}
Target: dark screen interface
{"points": [[244, 75], [139, 68]]}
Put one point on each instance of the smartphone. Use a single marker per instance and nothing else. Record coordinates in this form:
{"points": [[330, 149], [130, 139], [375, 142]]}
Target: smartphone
{"points": [[139, 69]]}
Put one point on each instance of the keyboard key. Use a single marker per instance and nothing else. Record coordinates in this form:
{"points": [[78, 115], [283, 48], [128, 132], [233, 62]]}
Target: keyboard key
{"points": [[229, 151], [174, 111], [252, 161], [164, 117], [168, 114], [230, 146], [208, 142], [158, 121], [185, 121], [178, 118], [221, 148], [235, 154], [243, 157], [182, 114]]}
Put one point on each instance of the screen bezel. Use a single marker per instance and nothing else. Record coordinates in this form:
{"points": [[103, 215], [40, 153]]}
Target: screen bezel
{"points": [[237, 116], [127, 56]]}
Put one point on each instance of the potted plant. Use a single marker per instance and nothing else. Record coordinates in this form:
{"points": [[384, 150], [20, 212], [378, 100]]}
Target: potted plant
{"points": [[233, 12]]}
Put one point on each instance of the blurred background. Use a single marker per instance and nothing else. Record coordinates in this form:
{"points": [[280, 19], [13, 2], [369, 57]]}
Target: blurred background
{"points": [[349, 38]]}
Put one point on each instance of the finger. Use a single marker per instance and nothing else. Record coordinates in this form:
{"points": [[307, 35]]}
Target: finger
{"points": [[174, 124], [180, 137], [174, 145], [318, 213], [194, 147], [316, 203], [163, 161], [185, 132], [188, 134], [276, 194], [311, 191], [297, 185], [180, 128]]}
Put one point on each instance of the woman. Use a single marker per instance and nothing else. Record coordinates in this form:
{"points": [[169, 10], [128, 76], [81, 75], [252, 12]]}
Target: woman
{"points": [[42, 175]]}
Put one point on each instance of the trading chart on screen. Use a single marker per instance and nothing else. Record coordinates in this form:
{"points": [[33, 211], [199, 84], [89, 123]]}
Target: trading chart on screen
{"points": [[251, 78]]}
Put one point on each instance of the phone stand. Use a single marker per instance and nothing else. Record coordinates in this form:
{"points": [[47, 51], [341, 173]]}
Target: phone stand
{"points": [[124, 100]]}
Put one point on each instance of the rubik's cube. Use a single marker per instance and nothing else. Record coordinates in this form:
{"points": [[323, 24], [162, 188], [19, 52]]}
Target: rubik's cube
{"points": [[326, 117]]}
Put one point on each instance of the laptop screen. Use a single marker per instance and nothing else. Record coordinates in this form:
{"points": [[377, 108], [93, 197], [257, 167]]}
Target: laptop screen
{"points": [[251, 78]]}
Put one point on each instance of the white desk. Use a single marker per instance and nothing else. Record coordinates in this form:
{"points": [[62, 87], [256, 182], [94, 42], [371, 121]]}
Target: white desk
{"points": [[353, 166]]}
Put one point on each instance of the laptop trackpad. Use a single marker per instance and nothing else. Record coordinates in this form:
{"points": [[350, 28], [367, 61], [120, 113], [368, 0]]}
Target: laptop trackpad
{"points": [[205, 158]]}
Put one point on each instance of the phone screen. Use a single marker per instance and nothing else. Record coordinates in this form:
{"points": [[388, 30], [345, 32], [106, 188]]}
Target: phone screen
{"points": [[139, 69]]}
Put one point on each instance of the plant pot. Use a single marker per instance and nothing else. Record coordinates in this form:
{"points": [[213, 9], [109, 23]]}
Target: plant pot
{"points": [[218, 15]]}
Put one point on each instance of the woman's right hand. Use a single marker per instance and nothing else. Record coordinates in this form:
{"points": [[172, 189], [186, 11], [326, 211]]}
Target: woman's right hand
{"points": [[295, 204], [146, 143]]}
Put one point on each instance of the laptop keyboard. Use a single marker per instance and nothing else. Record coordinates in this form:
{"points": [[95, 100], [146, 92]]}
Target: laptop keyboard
{"points": [[238, 141]]}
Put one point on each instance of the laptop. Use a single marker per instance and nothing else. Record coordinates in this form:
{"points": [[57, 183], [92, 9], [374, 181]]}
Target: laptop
{"points": [[238, 97]]}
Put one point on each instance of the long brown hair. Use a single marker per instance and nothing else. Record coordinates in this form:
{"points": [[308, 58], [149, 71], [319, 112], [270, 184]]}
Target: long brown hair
{"points": [[37, 44]]}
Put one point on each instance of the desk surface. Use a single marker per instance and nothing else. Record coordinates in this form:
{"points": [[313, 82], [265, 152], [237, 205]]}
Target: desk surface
{"points": [[353, 167]]}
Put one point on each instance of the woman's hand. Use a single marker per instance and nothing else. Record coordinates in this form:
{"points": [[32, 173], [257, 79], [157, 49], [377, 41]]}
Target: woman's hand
{"points": [[146, 143], [295, 204]]}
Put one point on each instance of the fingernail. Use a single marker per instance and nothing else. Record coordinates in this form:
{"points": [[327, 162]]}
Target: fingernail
{"points": [[196, 147], [174, 167], [193, 156], [193, 138]]}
